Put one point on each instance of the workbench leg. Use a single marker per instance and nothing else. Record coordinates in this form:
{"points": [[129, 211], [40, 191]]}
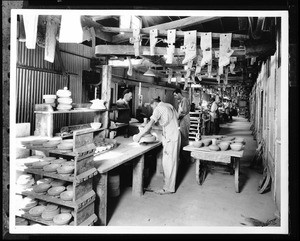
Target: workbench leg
{"points": [[159, 169], [101, 198], [197, 164], [236, 173], [137, 176]]}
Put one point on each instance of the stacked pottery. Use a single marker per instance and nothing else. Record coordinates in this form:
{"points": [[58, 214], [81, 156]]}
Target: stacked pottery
{"points": [[64, 99]]}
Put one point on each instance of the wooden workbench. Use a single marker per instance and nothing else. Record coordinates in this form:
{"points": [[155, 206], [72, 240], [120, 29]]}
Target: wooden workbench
{"points": [[203, 154], [125, 152]]}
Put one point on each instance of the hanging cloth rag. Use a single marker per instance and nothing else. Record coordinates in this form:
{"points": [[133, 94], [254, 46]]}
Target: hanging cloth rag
{"points": [[225, 49], [129, 71], [69, 34], [30, 26], [206, 47]]}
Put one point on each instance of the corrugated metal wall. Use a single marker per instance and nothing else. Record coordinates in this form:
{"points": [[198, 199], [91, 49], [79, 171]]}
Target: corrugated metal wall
{"points": [[33, 83]]}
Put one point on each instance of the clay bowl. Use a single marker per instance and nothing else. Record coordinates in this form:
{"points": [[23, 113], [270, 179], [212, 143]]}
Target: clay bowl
{"points": [[40, 188], [57, 183], [51, 167], [147, 138], [95, 125], [37, 211], [236, 146], [30, 204], [214, 147], [50, 207], [49, 215], [197, 144], [67, 195], [70, 187], [206, 142], [50, 144], [39, 164], [62, 219], [224, 145], [54, 191], [65, 210], [65, 169]]}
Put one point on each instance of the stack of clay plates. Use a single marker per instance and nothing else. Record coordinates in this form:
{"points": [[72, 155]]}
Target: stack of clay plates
{"points": [[39, 164], [64, 100], [24, 182], [57, 183], [27, 203], [52, 142], [65, 169], [51, 168], [66, 145], [51, 210], [58, 161], [21, 221], [45, 180], [66, 195]]}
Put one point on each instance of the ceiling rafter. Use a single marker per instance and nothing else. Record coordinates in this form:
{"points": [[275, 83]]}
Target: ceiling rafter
{"points": [[182, 23]]}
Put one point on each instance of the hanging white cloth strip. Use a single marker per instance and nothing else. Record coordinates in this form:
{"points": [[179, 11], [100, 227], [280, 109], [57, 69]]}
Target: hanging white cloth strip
{"points": [[30, 25], [73, 34], [225, 49], [206, 47], [50, 40]]}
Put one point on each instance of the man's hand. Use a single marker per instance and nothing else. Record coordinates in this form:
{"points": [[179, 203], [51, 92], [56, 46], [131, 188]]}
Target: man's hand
{"points": [[136, 138]]}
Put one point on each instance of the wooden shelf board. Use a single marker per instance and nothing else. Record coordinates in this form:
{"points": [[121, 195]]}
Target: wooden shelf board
{"points": [[69, 111]]}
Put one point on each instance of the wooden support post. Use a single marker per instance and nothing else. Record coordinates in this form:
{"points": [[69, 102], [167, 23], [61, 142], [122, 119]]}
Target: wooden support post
{"points": [[137, 177], [105, 95], [101, 182]]}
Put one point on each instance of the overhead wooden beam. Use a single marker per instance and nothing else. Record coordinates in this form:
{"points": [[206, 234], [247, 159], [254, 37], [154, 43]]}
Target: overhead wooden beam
{"points": [[88, 22], [164, 33], [128, 50], [98, 18], [181, 23]]}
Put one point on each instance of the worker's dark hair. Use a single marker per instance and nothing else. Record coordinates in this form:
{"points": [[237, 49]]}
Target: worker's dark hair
{"points": [[155, 100], [177, 90], [126, 91]]}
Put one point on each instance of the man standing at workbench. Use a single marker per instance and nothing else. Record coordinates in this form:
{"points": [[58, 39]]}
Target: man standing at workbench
{"points": [[167, 116], [184, 123]]}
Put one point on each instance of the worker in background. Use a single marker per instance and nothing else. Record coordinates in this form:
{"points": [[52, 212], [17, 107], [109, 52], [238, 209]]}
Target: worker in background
{"points": [[124, 113], [214, 113], [166, 115], [184, 123]]}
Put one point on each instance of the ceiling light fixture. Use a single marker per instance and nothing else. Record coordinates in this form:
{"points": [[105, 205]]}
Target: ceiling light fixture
{"points": [[149, 72]]}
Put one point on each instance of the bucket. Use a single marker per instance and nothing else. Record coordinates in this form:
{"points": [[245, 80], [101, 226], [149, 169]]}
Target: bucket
{"points": [[114, 185]]}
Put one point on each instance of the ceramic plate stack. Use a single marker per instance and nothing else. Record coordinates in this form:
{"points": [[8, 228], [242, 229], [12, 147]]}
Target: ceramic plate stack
{"points": [[45, 180], [51, 168], [27, 203], [51, 210], [64, 100], [57, 183], [58, 161], [66, 195], [21, 221], [66, 145], [39, 164], [52, 142], [24, 182]]}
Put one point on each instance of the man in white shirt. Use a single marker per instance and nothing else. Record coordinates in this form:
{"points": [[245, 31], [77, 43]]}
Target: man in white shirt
{"points": [[166, 115], [214, 113]]}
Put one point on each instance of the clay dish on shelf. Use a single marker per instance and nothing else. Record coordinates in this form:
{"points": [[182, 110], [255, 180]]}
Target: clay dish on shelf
{"points": [[54, 191], [49, 215], [67, 195], [49, 158], [51, 207], [51, 167], [65, 210], [40, 164], [40, 188], [45, 180], [65, 169], [37, 211], [62, 219]]}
